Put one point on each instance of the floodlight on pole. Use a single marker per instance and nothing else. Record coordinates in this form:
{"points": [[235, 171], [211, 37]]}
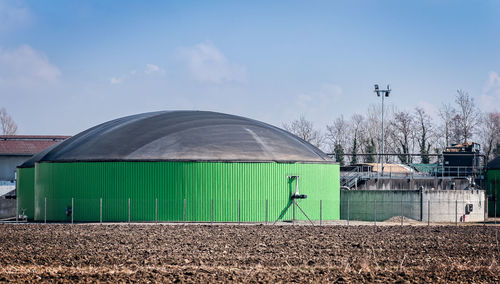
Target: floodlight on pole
{"points": [[385, 93]]}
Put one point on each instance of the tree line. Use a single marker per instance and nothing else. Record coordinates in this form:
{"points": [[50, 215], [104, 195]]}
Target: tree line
{"points": [[405, 132]]}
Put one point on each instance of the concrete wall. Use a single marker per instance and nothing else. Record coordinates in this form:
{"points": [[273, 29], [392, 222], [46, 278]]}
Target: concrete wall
{"points": [[8, 166], [380, 205], [7, 208], [449, 205]]}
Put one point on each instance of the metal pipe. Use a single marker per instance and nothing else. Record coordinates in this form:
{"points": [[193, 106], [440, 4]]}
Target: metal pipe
{"points": [[156, 210], [72, 210], [129, 210], [184, 212], [100, 210], [211, 211]]}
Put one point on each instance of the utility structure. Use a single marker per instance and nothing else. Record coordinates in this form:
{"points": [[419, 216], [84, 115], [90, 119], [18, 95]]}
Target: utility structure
{"points": [[382, 93], [196, 166]]}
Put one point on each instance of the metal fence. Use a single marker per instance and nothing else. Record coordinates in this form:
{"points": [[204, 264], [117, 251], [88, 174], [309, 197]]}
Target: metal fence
{"points": [[347, 212]]}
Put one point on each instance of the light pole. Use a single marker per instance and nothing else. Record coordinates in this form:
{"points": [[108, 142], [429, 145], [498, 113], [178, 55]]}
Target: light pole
{"points": [[382, 93]]}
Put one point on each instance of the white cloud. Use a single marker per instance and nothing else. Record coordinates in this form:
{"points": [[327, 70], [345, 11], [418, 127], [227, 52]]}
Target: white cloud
{"points": [[206, 63], [13, 14], [149, 70], [490, 97], [24, 66], [114, 80]]}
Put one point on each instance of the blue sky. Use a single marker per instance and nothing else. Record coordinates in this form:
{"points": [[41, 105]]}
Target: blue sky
{"points": [[68, 65]]}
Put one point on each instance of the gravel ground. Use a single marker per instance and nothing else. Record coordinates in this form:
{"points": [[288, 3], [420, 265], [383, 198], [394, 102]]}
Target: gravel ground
{"points": [[231, 253]]}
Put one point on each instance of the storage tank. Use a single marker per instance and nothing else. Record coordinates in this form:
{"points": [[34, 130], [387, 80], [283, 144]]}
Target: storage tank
{"points": [[185, 166]]}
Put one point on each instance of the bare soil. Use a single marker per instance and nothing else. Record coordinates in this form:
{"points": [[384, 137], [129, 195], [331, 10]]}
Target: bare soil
{"points": [[227, 253]]}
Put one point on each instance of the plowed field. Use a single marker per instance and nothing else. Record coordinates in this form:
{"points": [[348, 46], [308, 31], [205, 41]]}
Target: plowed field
{"points": [[225, 253]]}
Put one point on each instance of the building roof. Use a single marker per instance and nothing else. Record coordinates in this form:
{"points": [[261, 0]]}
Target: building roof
{"points": [[494, 164], [26, 145], [30, 163], [394, 168], [185, 136]]}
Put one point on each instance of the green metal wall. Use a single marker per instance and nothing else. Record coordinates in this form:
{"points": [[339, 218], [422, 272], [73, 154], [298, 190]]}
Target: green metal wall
{"points": [[218, 191], [26, 191], [493, 190]]}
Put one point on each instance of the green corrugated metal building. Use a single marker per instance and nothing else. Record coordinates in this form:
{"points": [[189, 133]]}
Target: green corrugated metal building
{"points": [[493, 187], [25, 185], [190, 166]]}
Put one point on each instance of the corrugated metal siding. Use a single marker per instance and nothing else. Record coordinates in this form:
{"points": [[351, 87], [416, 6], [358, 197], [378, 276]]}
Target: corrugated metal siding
{"points": [[493, 191], [26, 191], [210, 190]]}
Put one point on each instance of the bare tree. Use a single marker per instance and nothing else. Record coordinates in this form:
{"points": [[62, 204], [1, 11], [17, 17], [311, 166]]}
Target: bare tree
{"points": [[456, 130], [337, 137], [447, 113], [402, 134], [9, 126], [304, 129], [423, 133], [490, 134], [357, 123], [469, 116]]}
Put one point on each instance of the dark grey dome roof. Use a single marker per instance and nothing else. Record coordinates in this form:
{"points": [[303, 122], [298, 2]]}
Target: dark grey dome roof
{"points": [[182, 136]]}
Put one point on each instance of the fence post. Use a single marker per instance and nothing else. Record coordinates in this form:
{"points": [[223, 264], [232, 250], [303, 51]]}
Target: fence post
{"points": [[72, 209], [456, 212], [320, 211], [17, 206], [100, 210], [266, 211], [428, 212], [239, 211], [184, 212], [347, 211], [129, 210], [375, 212], [156, 210], [211, 211], [45, 211], [402, 212]]}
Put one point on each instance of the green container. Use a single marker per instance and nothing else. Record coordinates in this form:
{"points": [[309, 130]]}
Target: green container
{"points": [[493, 192], [26, 192], [184, 191]]}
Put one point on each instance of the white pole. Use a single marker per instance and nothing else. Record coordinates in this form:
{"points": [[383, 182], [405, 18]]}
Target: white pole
{"points": [[383, 95]]}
